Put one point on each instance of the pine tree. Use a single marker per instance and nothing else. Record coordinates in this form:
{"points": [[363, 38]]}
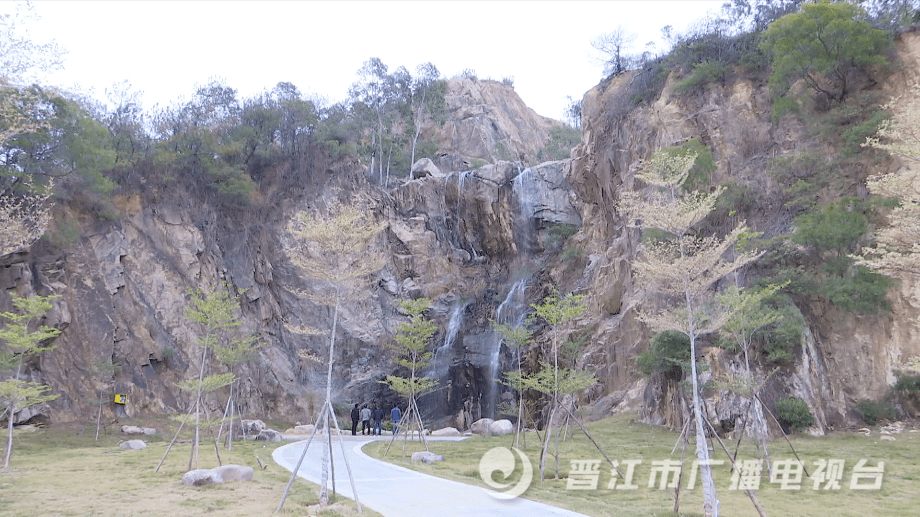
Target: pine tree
{"points": [[411, 352], [21, 343]]}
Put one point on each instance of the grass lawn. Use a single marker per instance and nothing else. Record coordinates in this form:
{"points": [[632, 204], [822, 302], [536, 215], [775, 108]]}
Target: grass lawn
{"points": [[56, 472], [622, 438]]}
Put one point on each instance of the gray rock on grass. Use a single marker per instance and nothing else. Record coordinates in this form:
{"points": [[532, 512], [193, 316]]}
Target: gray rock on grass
{"points": [[426, 457]]}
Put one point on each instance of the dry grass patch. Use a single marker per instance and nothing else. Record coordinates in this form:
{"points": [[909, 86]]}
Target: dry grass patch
{"points": [[55, 472]]}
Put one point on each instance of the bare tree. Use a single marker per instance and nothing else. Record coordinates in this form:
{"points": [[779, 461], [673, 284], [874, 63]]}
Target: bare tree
{"points": [[613, 46]]}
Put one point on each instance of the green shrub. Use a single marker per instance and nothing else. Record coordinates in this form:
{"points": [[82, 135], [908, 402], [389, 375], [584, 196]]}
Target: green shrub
{"points": [[700, 176], [558, 234], [668, 353], [703, 73], [793, 412], [907, 382], [873, 411], [783, 337], [559, 146], [784, 105]]}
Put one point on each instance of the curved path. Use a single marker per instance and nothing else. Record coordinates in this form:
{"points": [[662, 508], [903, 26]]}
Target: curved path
{"points": [[396, 491]]}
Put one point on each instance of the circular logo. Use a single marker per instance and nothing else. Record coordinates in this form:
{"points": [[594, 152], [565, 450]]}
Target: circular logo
{"points": [[502, 460]]}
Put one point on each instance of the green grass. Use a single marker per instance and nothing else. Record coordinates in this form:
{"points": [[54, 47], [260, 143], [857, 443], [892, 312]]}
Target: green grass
{"points": [[58, 472], [624, 439]]}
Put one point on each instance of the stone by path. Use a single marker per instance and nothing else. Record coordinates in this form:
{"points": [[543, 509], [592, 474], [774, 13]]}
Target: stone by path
{"points": [[395, 491]]}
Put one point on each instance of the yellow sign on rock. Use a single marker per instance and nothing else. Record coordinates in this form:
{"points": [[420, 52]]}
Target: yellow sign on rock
{"points": [[121, 398]]}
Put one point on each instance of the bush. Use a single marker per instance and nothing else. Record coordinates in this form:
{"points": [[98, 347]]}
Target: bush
{"points": [[669, 353], [702, 74], [558, 233], [907, 382], [873, 411], [793, 412], [559, 146]]}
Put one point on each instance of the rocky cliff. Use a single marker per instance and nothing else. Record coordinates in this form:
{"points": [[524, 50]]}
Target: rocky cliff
{"points": [[481, 242]]}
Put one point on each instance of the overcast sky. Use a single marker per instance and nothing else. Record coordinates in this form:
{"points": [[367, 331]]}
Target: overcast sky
{"points": [[165, 48]]}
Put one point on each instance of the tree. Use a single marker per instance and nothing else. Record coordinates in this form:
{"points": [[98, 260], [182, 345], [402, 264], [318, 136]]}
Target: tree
{"points": [[823, 44], [683, 268], [24, 205], [21, 343], [411, 352], [427, 100], [125, 121], [750, 313], [552, 379], [334, 250], [896, 250], [515, 337], [105, 370], [612, 46], [374, 92]]}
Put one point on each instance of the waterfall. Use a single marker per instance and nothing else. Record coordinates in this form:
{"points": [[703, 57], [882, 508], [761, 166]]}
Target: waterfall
{"points": [[440, 360], [510, 312], [462, 177], [524, 189]]}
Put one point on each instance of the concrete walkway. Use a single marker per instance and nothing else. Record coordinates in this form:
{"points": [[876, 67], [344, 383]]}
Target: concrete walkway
{"points": [[395, 491]]}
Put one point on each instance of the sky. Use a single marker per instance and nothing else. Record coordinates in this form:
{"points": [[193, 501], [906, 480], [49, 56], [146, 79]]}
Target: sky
{"points": [[165, 48]]}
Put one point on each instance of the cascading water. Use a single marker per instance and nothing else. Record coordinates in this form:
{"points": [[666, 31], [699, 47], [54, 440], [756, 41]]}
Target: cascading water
{"points": [[462, 178], [524, 187], [512, 311], [440, 360]]}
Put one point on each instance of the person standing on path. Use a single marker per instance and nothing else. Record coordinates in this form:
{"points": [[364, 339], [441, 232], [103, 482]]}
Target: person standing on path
{"points": [[395, 413], [365, 420], [378, 416], [355, 415]]}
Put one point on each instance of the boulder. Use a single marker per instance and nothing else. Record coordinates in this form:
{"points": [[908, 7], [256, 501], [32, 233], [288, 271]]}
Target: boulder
{"points": [[426, 457], [410, 289], [201, 477], [132, 429], [425, 167], [481, 426], [501, 427], [301, 429], [253, 427], [268, 435], [447, 431], [234, 472], [133, 445]]}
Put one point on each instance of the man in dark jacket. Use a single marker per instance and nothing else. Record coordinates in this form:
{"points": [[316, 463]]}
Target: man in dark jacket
{"points": [[378, 417], [395, 413], [355, 416]]}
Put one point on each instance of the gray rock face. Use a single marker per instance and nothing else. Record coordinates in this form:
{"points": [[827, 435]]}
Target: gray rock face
{"points": [[425, 167], [501, 427], [133, 445], [481, 426], [426, 457]]}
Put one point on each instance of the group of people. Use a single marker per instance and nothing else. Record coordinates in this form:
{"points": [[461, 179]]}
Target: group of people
{"points": [[364, 415]]}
